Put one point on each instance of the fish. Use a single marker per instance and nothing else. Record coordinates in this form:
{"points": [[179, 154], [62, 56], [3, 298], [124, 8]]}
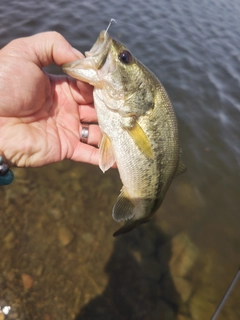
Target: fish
{"points": [[138, 124]]}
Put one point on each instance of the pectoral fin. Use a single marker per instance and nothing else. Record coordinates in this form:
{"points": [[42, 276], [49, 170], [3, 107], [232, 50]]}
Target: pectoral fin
{"points": [[140, 139], [123, 208], [107, 157]]}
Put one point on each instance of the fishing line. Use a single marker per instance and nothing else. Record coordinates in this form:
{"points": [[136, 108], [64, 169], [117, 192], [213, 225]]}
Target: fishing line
{"points": [[125, 23], [225, 297], [111, 21]]}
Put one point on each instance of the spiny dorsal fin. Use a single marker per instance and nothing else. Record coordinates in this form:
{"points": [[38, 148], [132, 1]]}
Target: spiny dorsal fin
{"points": [[180, 169], [107, 157], [123, 208], [140, 139]]}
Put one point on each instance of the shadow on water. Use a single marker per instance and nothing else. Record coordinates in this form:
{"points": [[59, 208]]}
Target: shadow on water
{"points": [[140, 284]]}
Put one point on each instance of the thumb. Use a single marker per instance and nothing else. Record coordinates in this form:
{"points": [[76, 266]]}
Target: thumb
{"points": [[44, 48]]}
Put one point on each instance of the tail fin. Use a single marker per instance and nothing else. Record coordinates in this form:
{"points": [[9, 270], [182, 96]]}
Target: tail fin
{"points": [[130, 225]]}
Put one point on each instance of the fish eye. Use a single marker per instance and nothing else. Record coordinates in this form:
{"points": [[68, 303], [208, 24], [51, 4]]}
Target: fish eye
{"points": [[125, 56]]}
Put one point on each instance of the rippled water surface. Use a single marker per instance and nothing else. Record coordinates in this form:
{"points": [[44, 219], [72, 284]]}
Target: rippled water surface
{"points": [[58, 259]]}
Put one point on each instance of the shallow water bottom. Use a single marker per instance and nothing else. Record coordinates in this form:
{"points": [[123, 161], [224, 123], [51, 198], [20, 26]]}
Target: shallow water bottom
{"points": [[60, 261]]}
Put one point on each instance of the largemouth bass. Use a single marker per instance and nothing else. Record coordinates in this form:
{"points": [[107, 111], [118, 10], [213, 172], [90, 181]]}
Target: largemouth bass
{"points": [[138, 124]]}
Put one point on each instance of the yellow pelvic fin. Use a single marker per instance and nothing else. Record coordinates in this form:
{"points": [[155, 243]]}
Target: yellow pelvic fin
{"points": [[140, 139], [107, 157]]}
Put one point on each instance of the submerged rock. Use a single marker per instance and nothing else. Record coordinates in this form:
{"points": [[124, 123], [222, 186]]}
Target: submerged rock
{"points": [[27, 281], [201, 307], [183, 287], [184, 254], [183, 317], [65, 235]]}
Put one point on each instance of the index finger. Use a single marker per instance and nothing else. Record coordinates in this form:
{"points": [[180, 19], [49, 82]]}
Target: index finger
{"points": [[44, 48]]}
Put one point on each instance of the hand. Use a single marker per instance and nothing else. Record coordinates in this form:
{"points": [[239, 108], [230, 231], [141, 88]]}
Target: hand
{"points": [[41, 114]]}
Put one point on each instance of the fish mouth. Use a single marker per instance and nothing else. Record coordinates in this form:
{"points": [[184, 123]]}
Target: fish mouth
{"points": [[95, 59], [101, 46], [100, 50]]}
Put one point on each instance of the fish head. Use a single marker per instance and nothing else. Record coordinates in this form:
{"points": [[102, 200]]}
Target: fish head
{"points": [[109, 65], [106, 63], [87, 69]]}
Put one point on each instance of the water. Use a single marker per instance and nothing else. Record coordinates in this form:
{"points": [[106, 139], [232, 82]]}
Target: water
{"points": [[193, 47]]}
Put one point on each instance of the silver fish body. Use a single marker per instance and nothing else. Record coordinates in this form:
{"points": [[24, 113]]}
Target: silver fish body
{"points": [[138, 124]]}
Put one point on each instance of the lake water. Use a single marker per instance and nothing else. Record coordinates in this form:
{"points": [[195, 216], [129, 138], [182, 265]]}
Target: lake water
{"points": [[58, 259]]}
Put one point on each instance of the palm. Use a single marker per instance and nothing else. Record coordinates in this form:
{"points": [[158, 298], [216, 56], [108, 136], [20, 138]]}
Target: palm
{"points": [[40, 115]]}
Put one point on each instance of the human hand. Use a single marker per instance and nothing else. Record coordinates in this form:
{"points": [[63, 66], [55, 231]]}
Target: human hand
{"points": [[41, 114]]}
